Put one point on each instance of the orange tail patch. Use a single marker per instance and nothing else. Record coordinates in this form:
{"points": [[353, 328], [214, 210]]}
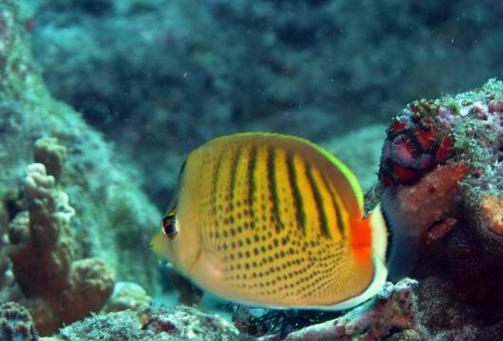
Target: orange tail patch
{"points": [[361, 239]]}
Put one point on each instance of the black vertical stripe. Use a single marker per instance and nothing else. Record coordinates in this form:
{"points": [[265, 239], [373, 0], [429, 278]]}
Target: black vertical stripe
{"points": [[234, 168], [338, 213], [318, 200], [252, 165], [214, 182], [271, 180], [297, 197]]}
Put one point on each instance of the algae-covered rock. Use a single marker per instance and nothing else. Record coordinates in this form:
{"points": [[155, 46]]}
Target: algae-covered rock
{"points": [[442, 179], [113, 217]]}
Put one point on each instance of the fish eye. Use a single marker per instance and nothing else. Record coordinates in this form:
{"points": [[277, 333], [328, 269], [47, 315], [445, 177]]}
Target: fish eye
{"points": [[168, 226]]}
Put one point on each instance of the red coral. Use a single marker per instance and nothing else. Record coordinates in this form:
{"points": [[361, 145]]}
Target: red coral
{"points": [[416, 143]]}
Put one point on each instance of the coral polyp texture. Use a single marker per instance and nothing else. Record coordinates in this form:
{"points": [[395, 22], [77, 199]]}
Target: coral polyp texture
{"points": [[16, 323], [428, 133], [416, 143]]}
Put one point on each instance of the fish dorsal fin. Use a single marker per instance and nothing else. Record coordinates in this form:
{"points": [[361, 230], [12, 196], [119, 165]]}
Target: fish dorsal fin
{"points": [[336, 171]]}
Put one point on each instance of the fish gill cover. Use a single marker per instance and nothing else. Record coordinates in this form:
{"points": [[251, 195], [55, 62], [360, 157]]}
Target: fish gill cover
{"points": [[101, 100]]}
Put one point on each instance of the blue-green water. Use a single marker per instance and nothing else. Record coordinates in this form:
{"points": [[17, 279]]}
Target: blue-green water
{"points": [[108, 97]]}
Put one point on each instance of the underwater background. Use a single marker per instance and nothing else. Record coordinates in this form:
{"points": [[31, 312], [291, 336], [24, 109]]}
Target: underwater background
{"points": [[101, 100]]}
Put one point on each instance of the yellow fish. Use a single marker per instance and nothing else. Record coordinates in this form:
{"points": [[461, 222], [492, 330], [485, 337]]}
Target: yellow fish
{"points": [[273, 220]]}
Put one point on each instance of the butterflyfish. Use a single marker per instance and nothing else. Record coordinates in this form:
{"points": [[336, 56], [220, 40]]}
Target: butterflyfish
{"points": [[273, 220]]}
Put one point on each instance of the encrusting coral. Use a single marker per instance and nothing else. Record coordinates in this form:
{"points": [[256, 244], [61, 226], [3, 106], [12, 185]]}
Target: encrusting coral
{"points": [[57, 287]]}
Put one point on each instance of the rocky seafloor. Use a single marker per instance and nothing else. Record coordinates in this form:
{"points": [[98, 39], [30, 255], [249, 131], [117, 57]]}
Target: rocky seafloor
{"points": [[75, 219]]}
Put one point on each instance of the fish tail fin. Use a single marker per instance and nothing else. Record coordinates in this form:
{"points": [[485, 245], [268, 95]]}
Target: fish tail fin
{"points": [[393, 244], [363, 244]]}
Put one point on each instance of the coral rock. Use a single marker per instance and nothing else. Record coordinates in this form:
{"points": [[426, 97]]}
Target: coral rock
{"points": [[453, 208], [127, 295], [392, 311], [41, 250], [181, 323], [431, 200], [91, 285], [456, 200], [492, 211]]}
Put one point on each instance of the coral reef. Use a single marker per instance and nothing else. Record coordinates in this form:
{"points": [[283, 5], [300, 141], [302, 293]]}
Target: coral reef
{"points": [[16, 323], [114, 217], [441, 172], [5, 266], [58, 288], [441, 181], [40, 239]]}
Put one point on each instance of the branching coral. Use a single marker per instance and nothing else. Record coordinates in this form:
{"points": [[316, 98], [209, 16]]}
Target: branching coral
{"points": [[58, 288], [41, 248]]}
